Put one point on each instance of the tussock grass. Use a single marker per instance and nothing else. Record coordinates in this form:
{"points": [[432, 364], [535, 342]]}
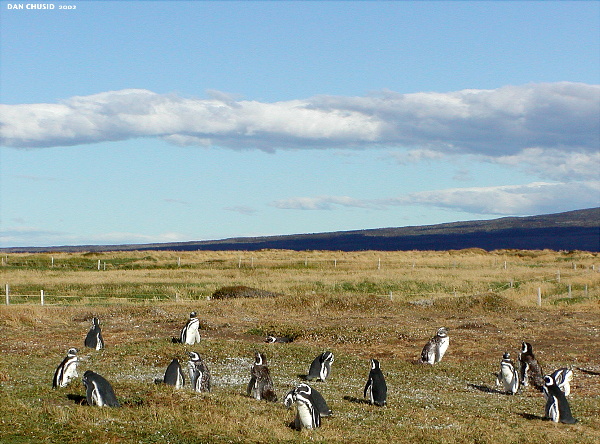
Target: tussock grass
{"points": [[343, 306]]}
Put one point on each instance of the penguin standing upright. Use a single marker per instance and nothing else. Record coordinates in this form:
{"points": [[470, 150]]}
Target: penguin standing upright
{"points": [[261, 384], [563, 377], [508, 375], [376, 386], [530, 370], [317, 399], [557, 407], [98, 390], [320, 368], [93, 339], [190, 334], [436, 347], [66, 370], [307, 412], [200, 379], [173, 375]]}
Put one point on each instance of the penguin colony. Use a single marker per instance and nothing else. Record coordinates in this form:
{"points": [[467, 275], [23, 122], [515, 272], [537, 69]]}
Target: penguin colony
{"points": [[310, 404]]}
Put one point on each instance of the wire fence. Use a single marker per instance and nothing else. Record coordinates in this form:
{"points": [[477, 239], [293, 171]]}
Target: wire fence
{"points": [[44, 298]]}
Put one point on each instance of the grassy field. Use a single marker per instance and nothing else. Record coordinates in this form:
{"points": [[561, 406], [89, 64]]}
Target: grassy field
{"points": [[357, 305]]}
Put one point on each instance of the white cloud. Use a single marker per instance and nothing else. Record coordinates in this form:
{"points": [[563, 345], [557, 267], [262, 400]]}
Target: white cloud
{"points": [[533, 198], [502, 122], [31, 236], [323, 203], [555, 164], [242, 209]]}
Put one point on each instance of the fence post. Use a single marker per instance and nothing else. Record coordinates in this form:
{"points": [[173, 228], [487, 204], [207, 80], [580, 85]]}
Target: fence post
{"points": [[391, 296], [379, 263], [98, 264], [558, 276], [179, 262], [539, 297], [7, 294], [42, 297], [570, 294], [240, 262]]}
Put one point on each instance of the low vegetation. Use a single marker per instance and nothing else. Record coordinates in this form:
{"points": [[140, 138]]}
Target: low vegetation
{"points": [[384, 305]]}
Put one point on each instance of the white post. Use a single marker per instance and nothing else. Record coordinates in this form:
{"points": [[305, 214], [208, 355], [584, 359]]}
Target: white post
{"points": [[306, 261], [505, 265], [7, 294], [558, 276], [335, 263], [391, 296], [52, 261], [574, 266], [179, 262], [98, 264], [240, 262], [539, 297], [104, 266], [585, 291], [42, 297], [252, 262], [379, 263], [570, 290]]}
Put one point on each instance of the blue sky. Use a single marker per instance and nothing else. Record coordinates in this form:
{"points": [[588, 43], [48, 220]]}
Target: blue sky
{"points": [[149, 121]]}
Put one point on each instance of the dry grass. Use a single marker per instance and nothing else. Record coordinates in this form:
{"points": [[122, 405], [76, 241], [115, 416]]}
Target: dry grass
{"points": [[334, 301]]}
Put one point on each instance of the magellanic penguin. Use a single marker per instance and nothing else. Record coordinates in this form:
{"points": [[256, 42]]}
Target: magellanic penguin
{"points": [[376, 387], [563, 377], [530, 371], [173, 375], [318, 400], [436, 347], [307, 412], [320, 368], [190, 334], [66, 370], [98, 390], [93, 338], [200, 379], [278, 339], [261, 384], [557, 407], [508, 376]]}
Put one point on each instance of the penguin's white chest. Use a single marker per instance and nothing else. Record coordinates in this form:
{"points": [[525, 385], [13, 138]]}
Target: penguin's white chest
{"points": [[441, 348], [70, 372], [304, 415]]}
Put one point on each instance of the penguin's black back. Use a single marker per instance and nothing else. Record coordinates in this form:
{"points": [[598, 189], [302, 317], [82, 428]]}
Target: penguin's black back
{"points": [[173, 373], [93, 380], [564, 410]]}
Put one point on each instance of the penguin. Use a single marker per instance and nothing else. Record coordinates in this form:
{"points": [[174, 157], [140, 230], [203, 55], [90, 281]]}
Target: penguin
{"points": [[278, 339], [307, 412], [508, 375], [173, 375], [530, 370], [318, 400], [320, 367], [563, 377], [436, 347], [261, 384], [200, 379], [376, 386], [93, 338], [557, 407], [66, 370], [98, 390], [190, 334]]}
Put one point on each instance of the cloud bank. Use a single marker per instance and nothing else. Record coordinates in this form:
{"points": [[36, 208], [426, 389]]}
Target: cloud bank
{"points": [[500, 122], [533, 198]]}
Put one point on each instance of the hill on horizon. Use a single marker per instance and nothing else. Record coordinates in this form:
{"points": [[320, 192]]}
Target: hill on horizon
{"points": [[572, 230]]}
